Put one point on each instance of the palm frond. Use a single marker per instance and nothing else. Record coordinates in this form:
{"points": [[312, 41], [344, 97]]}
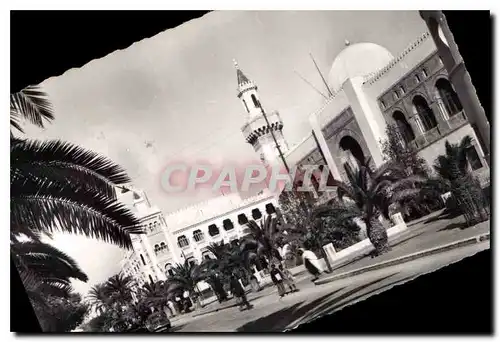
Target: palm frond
{"points": [[31, 104], [63, 162], [46, 261], [48, 207]]}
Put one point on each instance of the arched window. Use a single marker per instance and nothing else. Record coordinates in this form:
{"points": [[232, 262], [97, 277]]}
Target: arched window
{"points": [[422, 109], [156, 248], [404, 127], [255, 101], [246, 106], [142, 259], [242, 219], [402, 89], [424, 72], [417, 78], [163, 246], [395, 95], [448, 96], [198, 235], [191, 261], [150, 227], [382, 104], [206, 255], [270, 209], [168, 270], [256, 214], [151, 278], [182, 241], [213, 230], [227, 224]]}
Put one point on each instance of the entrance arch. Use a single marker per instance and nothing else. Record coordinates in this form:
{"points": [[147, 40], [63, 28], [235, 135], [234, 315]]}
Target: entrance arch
{"points": [[422, 109], [352, 152]]}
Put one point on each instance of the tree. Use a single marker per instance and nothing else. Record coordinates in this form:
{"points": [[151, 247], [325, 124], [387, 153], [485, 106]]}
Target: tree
{"points": [[98, 298], [186, 277], [119, 289], [265, 239], [60, 314], [58, 186], [157, 295], [454, 175], [368, 195], [295, 210], [396, 151]]}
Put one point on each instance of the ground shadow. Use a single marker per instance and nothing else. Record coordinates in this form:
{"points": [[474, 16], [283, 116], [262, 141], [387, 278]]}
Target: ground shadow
{"points": [[176, 328], [445, 215], [328, 308], [459, 225], [339, 301], [279, 320]]}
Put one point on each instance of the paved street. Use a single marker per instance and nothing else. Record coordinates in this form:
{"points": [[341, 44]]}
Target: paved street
{"points": [[273, 314]]}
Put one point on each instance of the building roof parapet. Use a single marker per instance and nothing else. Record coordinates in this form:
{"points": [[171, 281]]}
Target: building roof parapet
{"points": [[373, 78], [194, 213]]}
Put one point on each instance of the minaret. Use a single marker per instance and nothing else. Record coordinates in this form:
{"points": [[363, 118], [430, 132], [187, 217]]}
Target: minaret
{"points": [[256, 130]]}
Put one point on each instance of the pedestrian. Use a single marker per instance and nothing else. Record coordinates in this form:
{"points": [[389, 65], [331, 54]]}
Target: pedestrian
{"points": [[288, 278], [311, 262], [277, 277], [239, 292]]}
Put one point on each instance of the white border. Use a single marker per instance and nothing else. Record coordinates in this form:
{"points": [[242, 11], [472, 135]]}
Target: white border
{"points": [[185, 4]]}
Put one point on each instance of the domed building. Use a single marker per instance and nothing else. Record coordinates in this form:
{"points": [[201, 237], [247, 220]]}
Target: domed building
{"points": [[357, 60], [371, 88]]}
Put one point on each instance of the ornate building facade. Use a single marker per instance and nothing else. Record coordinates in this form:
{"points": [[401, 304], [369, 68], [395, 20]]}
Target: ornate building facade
{"points": [[371, 88], [184, 235], [221, 219]]}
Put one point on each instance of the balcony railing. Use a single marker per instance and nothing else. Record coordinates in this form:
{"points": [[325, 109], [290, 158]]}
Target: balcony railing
{"points": [[457, 120]]}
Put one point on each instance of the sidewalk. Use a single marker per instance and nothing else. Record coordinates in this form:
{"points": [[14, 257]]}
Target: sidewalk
{"points": [[406, 258], [428, 236]]}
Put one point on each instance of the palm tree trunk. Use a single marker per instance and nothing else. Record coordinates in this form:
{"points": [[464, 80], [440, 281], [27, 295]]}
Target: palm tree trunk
{"points": [[377, 235]]}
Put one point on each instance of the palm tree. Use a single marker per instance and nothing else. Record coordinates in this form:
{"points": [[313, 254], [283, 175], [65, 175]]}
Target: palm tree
{"points": [[120, 289], [186, 277], [30, 104], [370, 193], [98, 298], [455, 176], [265, 238], [157, 295]]}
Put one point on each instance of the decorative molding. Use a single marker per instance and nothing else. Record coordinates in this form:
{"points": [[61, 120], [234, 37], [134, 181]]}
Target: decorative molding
{"points": [[337, 123]]}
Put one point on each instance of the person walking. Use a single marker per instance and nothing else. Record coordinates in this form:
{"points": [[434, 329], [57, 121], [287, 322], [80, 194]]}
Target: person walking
{"points": [[311, 263], [277, 278], [239, 292], [288, 278]]}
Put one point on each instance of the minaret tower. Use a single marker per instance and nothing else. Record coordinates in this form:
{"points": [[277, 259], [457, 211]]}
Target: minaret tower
{"points": [[256, 130]]}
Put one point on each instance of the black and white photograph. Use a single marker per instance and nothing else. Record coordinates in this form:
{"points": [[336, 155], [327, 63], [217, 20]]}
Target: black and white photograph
{"points": [[247, 171]]}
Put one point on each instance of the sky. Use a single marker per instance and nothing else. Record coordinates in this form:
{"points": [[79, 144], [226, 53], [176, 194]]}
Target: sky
{"points": [[172, 97]]}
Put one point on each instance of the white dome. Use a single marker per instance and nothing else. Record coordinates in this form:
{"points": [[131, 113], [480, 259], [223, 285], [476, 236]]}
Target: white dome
{"points": [[359, 59]]}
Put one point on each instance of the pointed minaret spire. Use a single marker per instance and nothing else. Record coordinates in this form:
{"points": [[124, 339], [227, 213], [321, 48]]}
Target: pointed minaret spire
{"points": [[242, 79]]}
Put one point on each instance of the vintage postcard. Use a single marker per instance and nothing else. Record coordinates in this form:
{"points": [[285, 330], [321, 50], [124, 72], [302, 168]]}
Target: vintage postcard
{"points": [[247, 171]]}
